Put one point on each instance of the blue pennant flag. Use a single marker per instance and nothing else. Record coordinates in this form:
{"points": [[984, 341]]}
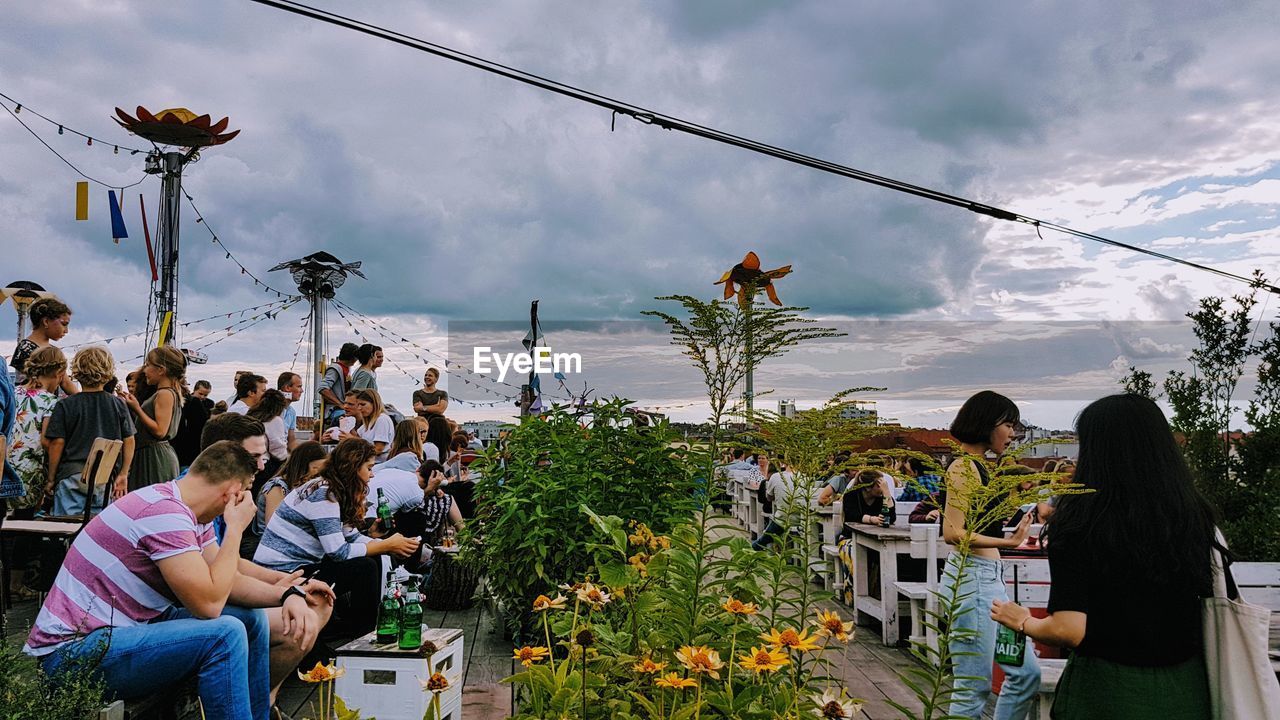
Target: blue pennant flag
{"points": [[117, 218]]}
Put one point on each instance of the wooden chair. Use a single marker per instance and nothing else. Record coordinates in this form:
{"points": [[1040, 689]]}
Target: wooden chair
{"points": [[100, 469]]}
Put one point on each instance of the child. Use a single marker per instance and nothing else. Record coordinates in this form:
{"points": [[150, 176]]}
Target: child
{"points": [[79, 420]]}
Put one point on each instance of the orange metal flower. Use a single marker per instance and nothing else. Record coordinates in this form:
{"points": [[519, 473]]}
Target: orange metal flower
{"points": [[746, 277], [176, 126]]}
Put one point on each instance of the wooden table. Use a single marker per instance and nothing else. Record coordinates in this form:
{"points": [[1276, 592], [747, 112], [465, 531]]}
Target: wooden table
{"points": [[63, 528], [888, 543]]}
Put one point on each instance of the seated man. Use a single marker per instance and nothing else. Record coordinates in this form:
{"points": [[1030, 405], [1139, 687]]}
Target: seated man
{"points": [[287, 648], [148, 598]]}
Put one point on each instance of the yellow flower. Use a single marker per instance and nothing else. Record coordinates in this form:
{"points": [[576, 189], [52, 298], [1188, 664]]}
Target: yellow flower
{"points": [[321, 673], [700, 659], [734, 606], [648, 666], [593, 596], [437, 683], [543, 603], [836, 704], [763, 660], [530, 655], [662, 541], [790, 640], [640, 561], [830, 625], [675, 682]]}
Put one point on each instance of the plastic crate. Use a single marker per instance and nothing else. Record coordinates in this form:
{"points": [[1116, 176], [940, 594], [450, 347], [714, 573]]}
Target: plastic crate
{"points": [[386, 682]]}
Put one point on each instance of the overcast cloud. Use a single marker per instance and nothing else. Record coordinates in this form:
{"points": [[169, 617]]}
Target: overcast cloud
{"points": [[466, 195]]}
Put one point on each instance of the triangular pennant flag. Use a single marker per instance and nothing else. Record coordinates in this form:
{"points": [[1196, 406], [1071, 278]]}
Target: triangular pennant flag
{"points": [[82, 200], [117, 218]]}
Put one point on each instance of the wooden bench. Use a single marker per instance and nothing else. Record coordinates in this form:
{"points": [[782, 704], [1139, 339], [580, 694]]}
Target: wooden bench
{"points": [[1259, 583], [922, 596]]}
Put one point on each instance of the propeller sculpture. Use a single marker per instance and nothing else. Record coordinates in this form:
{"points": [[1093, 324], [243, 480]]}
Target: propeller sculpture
{"points": [[176, 126], [745, 278]]}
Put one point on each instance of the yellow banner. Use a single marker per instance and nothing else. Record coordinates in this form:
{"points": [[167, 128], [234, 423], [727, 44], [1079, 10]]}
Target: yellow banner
{"points": [[82, 200], [164, 328]]}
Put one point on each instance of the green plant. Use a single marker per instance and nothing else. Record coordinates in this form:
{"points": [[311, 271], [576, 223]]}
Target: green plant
{"points": [[27, 694], [1239, 472], [529, 534]]}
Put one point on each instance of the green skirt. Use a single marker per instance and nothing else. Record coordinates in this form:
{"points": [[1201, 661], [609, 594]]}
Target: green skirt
{"points": [[1095, 689]]}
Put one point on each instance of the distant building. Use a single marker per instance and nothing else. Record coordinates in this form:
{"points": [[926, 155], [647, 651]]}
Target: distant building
{"points": [[864, 410], [486, 430], [787, 408]]}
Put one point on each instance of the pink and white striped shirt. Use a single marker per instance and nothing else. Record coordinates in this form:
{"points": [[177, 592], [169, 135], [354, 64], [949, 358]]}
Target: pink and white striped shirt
{"points": [[110, 576]]}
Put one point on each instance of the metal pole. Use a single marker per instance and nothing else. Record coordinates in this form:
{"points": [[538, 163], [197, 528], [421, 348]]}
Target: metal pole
{"points": [[751, 364], [22, 319], [318, 355], [171, 210]]}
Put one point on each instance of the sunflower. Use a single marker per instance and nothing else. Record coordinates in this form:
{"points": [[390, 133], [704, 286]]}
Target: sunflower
{"points": [[700, 659], [675, 682], [790, 640], [543, 603], [530, 655], [830, 625], [763, 660], [734, 606], [648, 666], [593, 596], [437, 683], [836, 704], [321, 673]]}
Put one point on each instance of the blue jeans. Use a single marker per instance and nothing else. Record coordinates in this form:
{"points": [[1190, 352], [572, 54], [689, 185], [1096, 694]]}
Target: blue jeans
{"points": [[69, 499], [983, 581], [230, 655]]}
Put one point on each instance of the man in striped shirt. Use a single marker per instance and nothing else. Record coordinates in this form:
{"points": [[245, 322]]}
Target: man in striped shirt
{"points": [[148, 598]]}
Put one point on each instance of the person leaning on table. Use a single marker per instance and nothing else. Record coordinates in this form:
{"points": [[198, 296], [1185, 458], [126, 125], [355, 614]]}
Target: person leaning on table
{"points": [[1130, 565]]}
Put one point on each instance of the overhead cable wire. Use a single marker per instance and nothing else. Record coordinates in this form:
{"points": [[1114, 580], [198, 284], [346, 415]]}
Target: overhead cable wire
{"points": [[117, 147], [81, 173], [201, 220], [669, 122]]}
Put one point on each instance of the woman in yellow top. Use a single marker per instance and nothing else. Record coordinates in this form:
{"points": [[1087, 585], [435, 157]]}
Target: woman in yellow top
{"points": [[985, 424]]}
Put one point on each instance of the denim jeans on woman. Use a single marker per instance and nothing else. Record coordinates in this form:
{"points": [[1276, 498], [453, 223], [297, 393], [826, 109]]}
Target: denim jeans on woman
{"points": [[982, 582], [229, 655]]}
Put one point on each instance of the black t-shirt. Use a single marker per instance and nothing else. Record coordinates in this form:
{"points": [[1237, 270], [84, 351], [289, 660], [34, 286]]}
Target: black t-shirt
{"points": [[429, 398], [1131, 620], [855, 505], [19, 359]]}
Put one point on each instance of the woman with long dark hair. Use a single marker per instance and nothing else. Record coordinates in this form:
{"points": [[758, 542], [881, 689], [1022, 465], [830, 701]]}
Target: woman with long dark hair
{"points": [[314, 528], [406, 449], [304, 463], [985, 424], [1130, 564]]}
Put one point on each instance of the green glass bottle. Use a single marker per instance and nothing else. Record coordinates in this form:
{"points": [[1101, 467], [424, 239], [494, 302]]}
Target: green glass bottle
{"points": [[884, 515], [384, 513], [411, 618], [1011, 646], [389, 614]]}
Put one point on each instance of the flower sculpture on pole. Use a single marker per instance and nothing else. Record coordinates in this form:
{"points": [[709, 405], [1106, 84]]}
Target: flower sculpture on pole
{"points": [[176, 126], [745, 278]]}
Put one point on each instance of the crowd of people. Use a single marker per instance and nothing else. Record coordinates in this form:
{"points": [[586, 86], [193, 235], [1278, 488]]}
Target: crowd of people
{"points": [[229, 540], [230, 543]]}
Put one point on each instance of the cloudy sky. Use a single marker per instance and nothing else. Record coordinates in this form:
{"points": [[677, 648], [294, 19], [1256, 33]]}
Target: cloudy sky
{"points": [[467, 195]]}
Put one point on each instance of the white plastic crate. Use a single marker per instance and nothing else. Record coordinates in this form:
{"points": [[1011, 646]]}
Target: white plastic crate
{"points": [[385, 681]]}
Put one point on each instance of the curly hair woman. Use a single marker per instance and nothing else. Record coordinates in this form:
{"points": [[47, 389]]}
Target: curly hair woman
{"points": [[50, 319], [314, 528]]}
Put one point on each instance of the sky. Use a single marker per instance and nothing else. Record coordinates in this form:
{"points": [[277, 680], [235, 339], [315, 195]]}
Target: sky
{"points": [[466, 195]]}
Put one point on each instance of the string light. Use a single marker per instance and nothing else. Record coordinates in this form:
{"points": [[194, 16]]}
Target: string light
{"points": [[62, 128]]}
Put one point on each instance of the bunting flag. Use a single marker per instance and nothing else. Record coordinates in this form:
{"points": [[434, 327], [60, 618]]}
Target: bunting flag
{"points": [[146, 235], [82, 200], [117, 218]]}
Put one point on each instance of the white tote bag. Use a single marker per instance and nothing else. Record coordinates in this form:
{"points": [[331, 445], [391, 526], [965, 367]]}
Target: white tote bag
{"points": [[1242, 685]]}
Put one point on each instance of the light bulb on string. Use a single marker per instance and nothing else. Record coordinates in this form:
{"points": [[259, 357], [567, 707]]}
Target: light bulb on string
{"points": [[59, 129]]}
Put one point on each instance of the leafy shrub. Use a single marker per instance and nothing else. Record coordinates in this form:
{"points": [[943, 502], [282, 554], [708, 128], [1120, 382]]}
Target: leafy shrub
{"points": [[26, 694]]}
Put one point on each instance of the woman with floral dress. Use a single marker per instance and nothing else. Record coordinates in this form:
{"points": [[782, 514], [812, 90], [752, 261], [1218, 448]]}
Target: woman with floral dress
{"points": [[46, 368]]}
